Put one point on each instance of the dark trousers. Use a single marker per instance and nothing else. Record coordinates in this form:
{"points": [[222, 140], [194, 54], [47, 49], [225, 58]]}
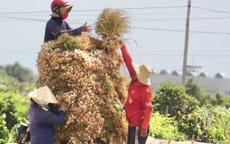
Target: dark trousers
{"points": [[134, 136]]}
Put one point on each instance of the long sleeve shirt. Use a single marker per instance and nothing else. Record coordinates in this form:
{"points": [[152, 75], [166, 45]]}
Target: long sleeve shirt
{"points": [[41, 124], [139, 100], [56, 26]]}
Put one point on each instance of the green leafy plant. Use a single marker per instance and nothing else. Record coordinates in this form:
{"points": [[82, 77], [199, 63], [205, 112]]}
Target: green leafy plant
{"points": [[4, 132], [220, 126], [172, 100], [14, 107], [164, 127]]}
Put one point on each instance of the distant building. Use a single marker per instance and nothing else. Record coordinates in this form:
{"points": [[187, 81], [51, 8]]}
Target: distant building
{"points": [[213, 85]]}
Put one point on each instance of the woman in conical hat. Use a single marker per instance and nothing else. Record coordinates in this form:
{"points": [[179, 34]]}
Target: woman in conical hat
{"points": [[43, 95], [41, 119], [138, 105]]}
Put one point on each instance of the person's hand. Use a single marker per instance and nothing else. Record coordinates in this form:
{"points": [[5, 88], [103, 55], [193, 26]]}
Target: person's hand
{"points": [[86, 28], [143, 132], [124, 107], [62, 108]]}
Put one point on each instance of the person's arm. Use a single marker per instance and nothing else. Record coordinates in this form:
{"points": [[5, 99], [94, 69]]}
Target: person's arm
{"points": [[128, 62], [66, 29], [78, 31], [56, 119], [54, 30], [146, 101]]}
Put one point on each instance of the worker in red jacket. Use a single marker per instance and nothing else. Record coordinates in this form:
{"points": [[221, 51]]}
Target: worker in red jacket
{"points": [[57, 25], [138, 105]]}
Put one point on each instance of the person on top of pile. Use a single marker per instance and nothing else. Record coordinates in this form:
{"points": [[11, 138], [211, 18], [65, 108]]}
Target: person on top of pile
{"points": [[138, 105], [41, 119], [57, 25]]}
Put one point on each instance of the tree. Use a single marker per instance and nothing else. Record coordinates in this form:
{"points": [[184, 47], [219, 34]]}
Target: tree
{"points": [[22, 74], [197, 92], [17, 77], [14, 108], [219, 99], [226, 102], [172, 100]]}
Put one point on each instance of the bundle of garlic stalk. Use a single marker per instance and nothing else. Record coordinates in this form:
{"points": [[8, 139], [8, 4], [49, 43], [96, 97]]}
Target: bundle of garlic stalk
{"points": [[84, 74]]}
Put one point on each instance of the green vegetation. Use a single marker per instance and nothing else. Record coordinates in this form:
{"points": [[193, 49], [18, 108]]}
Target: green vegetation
{"points": [[173, 100], [15, 82], [180, 113], [164, 127], [17, 77], [4, 132], [189, 113]]}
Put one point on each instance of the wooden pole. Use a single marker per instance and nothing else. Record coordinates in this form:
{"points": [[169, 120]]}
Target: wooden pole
{"points": [[225, 133], [186, 44]]}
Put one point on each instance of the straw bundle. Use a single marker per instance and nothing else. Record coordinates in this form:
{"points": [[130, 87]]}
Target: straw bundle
{"points": [[84, 74], [112, 24]]}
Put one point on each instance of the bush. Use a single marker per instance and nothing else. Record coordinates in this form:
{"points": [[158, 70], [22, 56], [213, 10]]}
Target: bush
{"points": [[163, 127], [206, 125], [14, 107], [194, 126], [197, 92], [226, 102], [173, 100], [4, 132], [220, 126]]}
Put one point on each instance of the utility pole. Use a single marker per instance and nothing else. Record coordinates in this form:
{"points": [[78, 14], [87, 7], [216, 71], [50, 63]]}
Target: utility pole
{"points": [[186, 44]]}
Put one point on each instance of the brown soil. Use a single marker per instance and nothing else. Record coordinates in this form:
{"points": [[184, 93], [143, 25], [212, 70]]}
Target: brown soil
{"points": [[158, 141]]}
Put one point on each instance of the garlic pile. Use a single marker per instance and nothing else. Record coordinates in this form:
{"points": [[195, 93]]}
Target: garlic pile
{"points": [[84, 74]]}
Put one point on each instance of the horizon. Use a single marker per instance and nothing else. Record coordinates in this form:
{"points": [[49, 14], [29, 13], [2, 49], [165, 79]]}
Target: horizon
{"points": [[156, 38]]}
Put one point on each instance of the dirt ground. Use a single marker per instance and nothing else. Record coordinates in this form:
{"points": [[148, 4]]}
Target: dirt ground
{"points": [[158, 141]]}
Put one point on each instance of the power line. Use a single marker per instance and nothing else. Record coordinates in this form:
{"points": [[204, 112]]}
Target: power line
{"points": [[127, 8], [159, 7], [29, 12], [38, 13], [169, 13], [175, 30], [24, 19], [179, 19], [93, 10], [180, 55], [143, 28], [135, 8], [159, 19], [218, 11]]}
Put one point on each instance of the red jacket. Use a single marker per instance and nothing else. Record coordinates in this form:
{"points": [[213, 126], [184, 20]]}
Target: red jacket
{"points": [[139, 101]]}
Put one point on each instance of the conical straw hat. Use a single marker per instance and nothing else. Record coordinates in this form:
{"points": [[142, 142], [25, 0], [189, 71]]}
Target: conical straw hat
{"points": [[143, 72], [43, 95]]}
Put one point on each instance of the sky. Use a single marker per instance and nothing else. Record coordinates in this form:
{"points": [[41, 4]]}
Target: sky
{"points": [[157, 35]]}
